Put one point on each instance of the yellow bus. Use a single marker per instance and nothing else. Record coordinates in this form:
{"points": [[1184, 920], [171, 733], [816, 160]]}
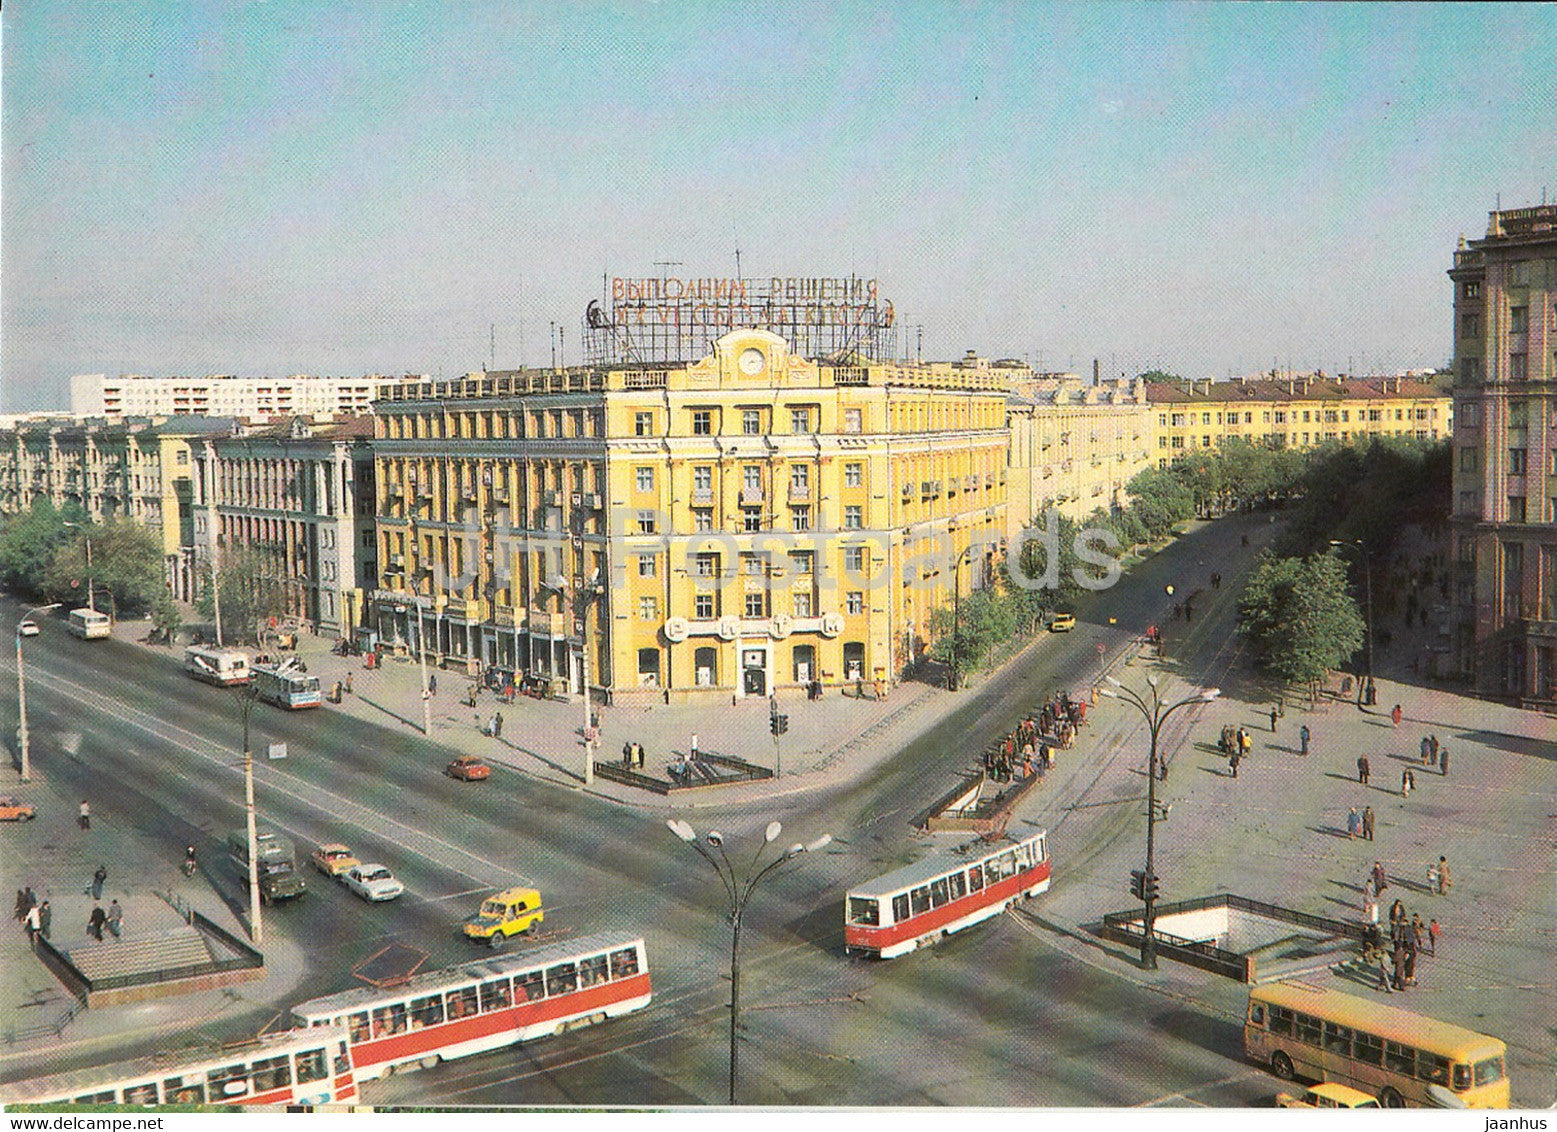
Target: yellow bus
{"points": [[1325, 1035]]}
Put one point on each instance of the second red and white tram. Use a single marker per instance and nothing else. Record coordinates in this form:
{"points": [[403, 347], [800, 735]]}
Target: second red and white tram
{"points": [[301, 1067], [487, 1004], [944, 893]]}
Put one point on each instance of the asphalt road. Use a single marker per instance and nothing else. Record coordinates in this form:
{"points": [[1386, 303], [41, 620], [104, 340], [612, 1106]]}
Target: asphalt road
{"points": [[994, 1016]]}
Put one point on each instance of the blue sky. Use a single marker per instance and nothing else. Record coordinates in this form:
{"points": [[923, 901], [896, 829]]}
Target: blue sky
{"points": [[328, 187]]}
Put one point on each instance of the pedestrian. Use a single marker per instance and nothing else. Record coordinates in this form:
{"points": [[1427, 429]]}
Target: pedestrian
{"points": [[1245, 742], [32, 897], [1432, 749], [1399, 958], [1418, 929], [638, 749], [1443, 761], [336, 692], [1233, 762], [1383, 962], [115, 918], [1395, 715], [21, 905], [33, 923], [1370, 908], [694, 744], [1410, 947], [497, 725], [1407, 782], [1380, 881], [1433, 932], [45, 919], [1444, 883], [432, 684], [1303, 738], [85, 820], [95, 922], [627, 753], [1363, 769], [1427, 750], [1353, 824], [1367, 823], [348, 683], [99, 878], [1273, 721]]}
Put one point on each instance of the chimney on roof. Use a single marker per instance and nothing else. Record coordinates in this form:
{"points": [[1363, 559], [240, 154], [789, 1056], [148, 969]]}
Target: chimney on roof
{"points": [[1291, 387], [1094, 371]]}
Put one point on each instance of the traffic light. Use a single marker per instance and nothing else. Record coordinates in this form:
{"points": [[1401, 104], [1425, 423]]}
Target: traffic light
{"points": [[1151, 886], [1138, 883], [778, 724]]}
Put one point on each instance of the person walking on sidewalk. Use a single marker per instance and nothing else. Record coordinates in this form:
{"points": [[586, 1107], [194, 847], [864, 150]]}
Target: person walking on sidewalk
{"points": [[1273, 721], [1232, 763], [497, 725], [33, 922], [1427, 750], [1432, 749], [1444, 883], [115, 918], [1433, 932], [1363, 769], [1303, 738], [1443, 761], [85, 820], [95, 923], [627, 753], [1367, 823], [1380, 881], [99, 878], [45, 919], [432, 683], [638, 753], [1396, 715], [1353, 824]]}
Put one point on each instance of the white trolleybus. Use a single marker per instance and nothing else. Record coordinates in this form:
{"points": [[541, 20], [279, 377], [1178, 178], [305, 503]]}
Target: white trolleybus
{"points": [[223, 667], [487, 1004], [283, 685], [300, 1067], [89, 624], [944, 893]]}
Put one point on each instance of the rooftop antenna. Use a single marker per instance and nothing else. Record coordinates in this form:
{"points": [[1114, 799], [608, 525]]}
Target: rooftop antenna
{"points": [[492, 345], [737, 257], [553, 343], [521, 325], [664, 263]]}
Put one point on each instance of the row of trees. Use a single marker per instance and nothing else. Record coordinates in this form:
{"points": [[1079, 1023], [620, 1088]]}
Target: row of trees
{"points": [[44, 558], [1345, 492]]}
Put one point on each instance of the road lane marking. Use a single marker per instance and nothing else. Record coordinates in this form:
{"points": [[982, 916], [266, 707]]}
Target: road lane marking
{"points": [[166, 733]]}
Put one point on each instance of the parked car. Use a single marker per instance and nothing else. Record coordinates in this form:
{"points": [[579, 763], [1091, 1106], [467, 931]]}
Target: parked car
{"points": [[372, 882], [1327, 1094], [469, 768], [1062, 623], [509, 912], [28, 628], [332, 859], [13, 810]]}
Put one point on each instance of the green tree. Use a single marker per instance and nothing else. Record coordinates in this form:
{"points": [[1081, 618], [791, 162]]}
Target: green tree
{"points": [[28, 543], [982, 619], [251, 594], [127, 571], [1301, 617]]}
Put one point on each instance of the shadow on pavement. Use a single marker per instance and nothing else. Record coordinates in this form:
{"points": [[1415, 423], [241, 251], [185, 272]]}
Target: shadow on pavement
{"points": [[1331, 831], [1518, 744]]}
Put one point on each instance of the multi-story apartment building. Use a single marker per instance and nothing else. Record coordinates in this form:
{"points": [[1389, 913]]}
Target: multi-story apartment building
{"points": [[1504, 511], [1075, 446], [720, 527], [254, 398], [136, 469], [300, 495], [1296, 412]]}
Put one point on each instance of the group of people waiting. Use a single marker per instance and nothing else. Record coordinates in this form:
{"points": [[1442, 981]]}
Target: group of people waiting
{"points": [[1030, 748]]}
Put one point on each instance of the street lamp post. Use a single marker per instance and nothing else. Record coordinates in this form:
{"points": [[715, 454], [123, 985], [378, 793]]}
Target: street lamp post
{"points": [[21, 695], [1156, 714], [738, 890], [91, 590], [246, 695], [1367, 573], [956, 653]]}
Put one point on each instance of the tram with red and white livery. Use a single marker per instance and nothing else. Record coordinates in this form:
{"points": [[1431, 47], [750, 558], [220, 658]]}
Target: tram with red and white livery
{"points": [[299, 1067], [487, 1004], [944, 893]]}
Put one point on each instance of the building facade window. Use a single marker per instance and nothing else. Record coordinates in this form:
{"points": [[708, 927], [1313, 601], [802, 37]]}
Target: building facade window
{"points": [[702, 422], [644, 478], [703, 607], [802, 561], [648, 608], [751, 422], [751, 477], [1516, 509], [1470, 326], [800, 420], [854, 559], [1516, 461], [702, 477], [802, 603], [751, 519], [646, 523], [800, 476], [800, 518], [1467, 459], [706, 565], [853, 475], [646, 565], [1518, 367], [853, 420], [853, 517], [756, 604], [702, 518], [643, 424], [1519, 320], [855, 602]]}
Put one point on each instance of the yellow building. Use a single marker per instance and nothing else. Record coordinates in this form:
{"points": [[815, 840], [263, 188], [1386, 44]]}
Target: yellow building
{"points": [[1075, 446], [1299, 412], [748, 521]]}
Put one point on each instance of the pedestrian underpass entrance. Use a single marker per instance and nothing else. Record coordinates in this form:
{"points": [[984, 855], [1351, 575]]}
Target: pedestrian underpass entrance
{"points": [[1247, 940]]}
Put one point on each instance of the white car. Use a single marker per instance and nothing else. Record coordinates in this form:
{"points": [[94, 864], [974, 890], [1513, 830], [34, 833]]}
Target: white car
{"points": [[372, 882], [28, 628]]}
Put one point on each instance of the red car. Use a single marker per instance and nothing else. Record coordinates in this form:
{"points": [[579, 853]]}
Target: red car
{"points": [[469, 768]]}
